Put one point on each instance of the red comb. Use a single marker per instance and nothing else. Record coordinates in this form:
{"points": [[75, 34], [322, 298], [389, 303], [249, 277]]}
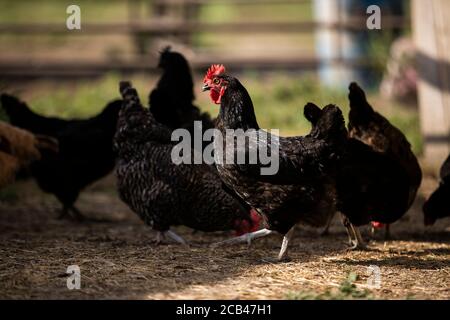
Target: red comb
{"points": [[214, 70]]}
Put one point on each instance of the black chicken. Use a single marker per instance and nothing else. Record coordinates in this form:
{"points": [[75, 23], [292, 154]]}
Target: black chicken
{"points": [[376, 131], [162, 193], [85, 149], [371, 186], [171, 102], [303, 188], [437, 206]]}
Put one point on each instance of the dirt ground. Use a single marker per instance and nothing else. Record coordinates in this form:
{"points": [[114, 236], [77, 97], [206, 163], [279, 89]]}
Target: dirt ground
{"points": [[119, 260]]}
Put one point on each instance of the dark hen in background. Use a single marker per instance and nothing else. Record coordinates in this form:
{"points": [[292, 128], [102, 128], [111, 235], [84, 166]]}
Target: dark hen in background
{"points": [[303, 189], [162, 193], [376, 131], [171, 102], [371, 186], [438, 205], [85, 149]]}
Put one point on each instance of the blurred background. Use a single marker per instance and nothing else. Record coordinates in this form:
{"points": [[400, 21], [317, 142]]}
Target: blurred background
{"points": [[286, 52]]}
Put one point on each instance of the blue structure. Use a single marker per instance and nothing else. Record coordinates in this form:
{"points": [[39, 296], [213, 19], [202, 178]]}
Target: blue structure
{"points": [[335, 46]]}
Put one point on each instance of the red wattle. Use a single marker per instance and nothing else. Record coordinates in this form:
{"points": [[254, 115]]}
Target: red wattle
{"points": [[215, 96]]}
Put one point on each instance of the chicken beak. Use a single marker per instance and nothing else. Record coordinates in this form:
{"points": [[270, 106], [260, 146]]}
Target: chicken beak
{"points": [[205, 87]]}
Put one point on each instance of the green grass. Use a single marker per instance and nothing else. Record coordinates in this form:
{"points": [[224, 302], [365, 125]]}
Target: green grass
{"points": [[346, 291], [83, 99], [216, 13], [278, 100]]}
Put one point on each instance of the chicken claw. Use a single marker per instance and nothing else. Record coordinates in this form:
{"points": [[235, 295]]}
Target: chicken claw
{"points": [[172, 235]]}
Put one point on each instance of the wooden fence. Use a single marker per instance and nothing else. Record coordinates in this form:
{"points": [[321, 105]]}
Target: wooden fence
{"points": [[182, 24], [432, 38]]}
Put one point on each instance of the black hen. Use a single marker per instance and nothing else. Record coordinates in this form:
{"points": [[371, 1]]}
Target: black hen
{"points": [[85, 149], [162, 193], [438, 205], [376, 131], [371, 186], [171, 102], [303, 187]]}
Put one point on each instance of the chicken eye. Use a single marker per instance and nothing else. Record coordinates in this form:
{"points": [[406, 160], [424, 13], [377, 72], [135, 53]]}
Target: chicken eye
{"points": [[216, 81]]}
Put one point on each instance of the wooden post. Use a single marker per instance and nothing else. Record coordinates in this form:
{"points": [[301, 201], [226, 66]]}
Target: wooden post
{"points": [[431, 27], [334, 47]]}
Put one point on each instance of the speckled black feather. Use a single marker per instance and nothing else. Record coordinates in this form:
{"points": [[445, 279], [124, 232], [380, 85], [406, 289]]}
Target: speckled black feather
{"points": [[162, 193]]}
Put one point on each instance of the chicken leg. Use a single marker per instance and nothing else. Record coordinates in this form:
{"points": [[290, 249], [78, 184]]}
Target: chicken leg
{"points": [[64, 212], [77, 214], [387, 232], [326, 230], [284, 245]]}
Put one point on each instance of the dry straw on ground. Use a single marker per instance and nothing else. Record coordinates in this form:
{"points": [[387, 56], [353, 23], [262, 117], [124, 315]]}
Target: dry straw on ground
{"points": [[118, 259]]}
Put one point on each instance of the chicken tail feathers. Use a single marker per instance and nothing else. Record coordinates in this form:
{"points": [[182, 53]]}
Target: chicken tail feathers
{"points": [[312, 113], [328, 123], [357, 98]]}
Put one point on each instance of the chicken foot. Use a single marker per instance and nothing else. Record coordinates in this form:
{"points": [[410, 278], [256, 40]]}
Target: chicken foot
{"points": [[354, 236], [248, 237], [172, 235], [65, 212]]}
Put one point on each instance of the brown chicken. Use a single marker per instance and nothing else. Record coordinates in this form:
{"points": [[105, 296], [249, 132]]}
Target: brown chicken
{"points": [[18, 149], [376, 131]]}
